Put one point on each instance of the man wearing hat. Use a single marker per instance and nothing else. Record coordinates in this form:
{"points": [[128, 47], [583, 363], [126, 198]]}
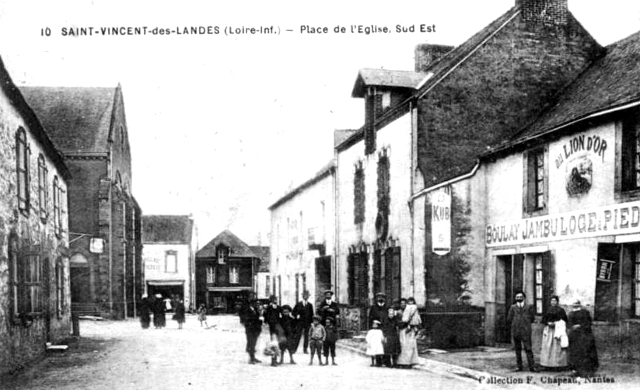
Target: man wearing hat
{"points": [[303, 312], [328, 308], [380, 312]]}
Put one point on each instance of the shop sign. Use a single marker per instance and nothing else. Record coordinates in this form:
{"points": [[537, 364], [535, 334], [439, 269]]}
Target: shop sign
{"points": [[441, 221], [623, 218], [604, 270]]}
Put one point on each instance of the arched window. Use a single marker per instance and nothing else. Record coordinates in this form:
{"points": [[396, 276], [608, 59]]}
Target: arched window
{"points": [[43, 193], [22, 169]]}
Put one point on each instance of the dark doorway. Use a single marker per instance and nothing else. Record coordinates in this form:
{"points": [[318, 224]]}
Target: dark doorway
{"points": [[513, 283], [80, 285], [323, 276], [607, 282]]}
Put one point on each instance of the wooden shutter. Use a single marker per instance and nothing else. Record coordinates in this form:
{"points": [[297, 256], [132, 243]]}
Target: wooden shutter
{"points": [[530, 182], [548, 279], [377, 271]]}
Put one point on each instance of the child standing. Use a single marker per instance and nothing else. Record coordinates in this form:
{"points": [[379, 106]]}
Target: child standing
{"points": [[202, 315], [289, 341], [317, 335], [330, 341], [375, 339]]}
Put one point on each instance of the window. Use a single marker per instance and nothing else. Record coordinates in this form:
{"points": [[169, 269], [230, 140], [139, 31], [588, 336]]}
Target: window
{"points": [[234, 275], [386, 99], [267, 286], [222, 255], [211, 274], [171, 261], [538, 281], [630, 152], [535, 201], [26, 285], [311, 236], [60, 306], [42, 187], [22, 169], [57, 207], [358, 195]]}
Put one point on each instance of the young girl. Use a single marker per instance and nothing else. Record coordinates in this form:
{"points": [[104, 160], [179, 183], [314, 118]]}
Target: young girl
{"points": [[375, 342], [202, 315]]}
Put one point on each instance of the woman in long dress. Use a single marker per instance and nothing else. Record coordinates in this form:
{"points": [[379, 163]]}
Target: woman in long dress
{"points": [[552, 355], [144, 310], [159, 320], [583, 356], [180, 313], [411, 321]]}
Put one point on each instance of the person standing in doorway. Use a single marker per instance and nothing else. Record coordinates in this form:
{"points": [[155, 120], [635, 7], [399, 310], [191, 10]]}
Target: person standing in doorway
{"points": [[520, 316], [303, 313]]}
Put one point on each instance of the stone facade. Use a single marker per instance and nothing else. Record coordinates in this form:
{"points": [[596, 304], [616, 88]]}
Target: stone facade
{"points": [[35, 304], [108, 281]]}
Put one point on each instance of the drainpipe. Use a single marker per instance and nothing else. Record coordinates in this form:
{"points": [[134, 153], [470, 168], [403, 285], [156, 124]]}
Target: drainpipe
{"points": [[411, 186]]}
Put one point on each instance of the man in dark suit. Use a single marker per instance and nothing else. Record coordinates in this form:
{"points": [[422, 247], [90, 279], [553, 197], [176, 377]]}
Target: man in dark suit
{"points": [[328, 308], [250, 318], [272, 315], [303, 312], [520, 317]]}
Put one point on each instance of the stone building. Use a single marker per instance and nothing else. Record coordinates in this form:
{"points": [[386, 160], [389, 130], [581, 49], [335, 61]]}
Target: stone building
{"points": [[263, 276], [34, 235], [169, 257], [226, 270], [88, 126], [406, 190], [302, 239], [563, 211]]}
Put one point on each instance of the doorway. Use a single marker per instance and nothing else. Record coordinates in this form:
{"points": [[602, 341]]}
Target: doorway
{"points": [[510, 281]]}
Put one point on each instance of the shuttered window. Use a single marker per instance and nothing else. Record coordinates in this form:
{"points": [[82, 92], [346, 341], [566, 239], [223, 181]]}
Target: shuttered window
{"points": [[22, 169], [43, 191], [358, 270], [536, 186], [393, 287]]}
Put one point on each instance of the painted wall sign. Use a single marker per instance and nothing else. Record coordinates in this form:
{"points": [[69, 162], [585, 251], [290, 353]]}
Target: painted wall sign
{"points": [[441, 221], [579, 144], [623, 218]]}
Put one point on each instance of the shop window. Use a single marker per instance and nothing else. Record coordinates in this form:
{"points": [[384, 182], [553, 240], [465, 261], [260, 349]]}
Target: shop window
{"points": [[630, 152], [171, 262], [358, 278], [211, 274], [536, 188], [234, 275], [42, 188], [358, 195], [22, 168]]}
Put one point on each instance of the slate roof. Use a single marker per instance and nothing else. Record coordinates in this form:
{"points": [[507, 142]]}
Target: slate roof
{"points": [[386, 78], [264, 253], [322, 173], [609, 82], [238, 247], [76, 119], [35, 124], [177, 229], [339, 136]]}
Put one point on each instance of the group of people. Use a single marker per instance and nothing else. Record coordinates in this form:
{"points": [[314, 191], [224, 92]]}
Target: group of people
{"points": [[391, 339], [567, 340], [159, 307], [287, 326]]}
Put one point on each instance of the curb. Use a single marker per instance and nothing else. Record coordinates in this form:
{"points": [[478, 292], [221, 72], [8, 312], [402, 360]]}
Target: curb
{"points": [[448, 370]]}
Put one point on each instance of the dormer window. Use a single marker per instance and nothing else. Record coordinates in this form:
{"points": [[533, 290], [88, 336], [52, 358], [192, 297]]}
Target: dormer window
{"points": [[386, 99], [223, 253]]}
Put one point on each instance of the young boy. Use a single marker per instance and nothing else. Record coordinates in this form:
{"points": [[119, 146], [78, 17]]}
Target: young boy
{"points": [[330, 341], [317, 335], [289, 341]]}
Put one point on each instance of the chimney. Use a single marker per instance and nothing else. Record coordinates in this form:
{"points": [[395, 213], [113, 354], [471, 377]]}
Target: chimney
{"points": [[426, 54], [545, 11]]}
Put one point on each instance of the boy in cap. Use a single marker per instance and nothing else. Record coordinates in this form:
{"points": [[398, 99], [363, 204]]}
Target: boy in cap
{"points": [[303, 313], [329, 345], [317, 335]]}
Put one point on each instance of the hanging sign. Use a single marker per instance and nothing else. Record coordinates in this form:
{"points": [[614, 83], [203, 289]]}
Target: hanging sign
{"points": [[96, 245], [604, 270], [441, 221]]}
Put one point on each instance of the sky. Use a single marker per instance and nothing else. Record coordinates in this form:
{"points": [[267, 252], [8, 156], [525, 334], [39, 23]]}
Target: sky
{"points": [[221, 126]]}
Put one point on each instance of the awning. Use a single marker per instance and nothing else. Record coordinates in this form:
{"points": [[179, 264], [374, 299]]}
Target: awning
{"points": [[229, 289], [165, 282]]}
